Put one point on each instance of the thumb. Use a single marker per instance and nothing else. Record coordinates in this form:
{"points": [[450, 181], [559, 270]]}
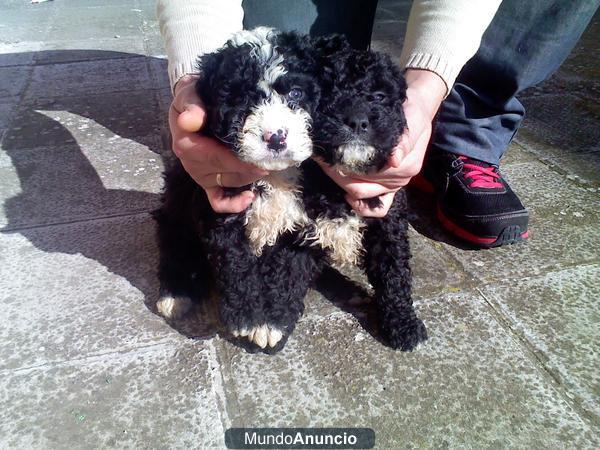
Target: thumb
{"points": [[222, 203], [395, 159], [362, 190], [191, 118]]}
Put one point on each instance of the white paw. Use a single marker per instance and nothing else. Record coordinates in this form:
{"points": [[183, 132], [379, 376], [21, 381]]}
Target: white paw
{"points": [[262, 335], [173, 307]]}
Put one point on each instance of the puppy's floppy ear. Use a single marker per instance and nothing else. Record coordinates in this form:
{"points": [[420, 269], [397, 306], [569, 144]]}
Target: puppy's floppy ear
{"points": [[389, 72], [330, 45], [209, 67], [333, 53], [297, 49], [397, 76]]}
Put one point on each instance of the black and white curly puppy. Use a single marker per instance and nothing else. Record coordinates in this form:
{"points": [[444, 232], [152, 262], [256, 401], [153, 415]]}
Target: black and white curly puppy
{"points": [[260, 93], [357, 125]]}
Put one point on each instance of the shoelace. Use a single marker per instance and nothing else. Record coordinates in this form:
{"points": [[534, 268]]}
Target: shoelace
{"points": [[483, 177]]}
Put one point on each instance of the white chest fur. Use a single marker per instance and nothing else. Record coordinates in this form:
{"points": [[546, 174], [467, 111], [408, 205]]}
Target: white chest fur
{"points": [[277, 210], [341, 238]]}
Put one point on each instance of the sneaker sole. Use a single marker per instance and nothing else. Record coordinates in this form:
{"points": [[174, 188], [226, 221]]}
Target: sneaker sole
{"points": [[510, 235]]}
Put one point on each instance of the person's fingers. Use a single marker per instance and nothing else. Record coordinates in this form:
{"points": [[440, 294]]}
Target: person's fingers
{"points": [[189, 109], [413, 160], [362, 190], [181, 140], [221, 203], [185, 140], [226, 162], [185, 98], [396, 158], [205, 158], [330, 171], [198, 147], [227, 179], [387, 178], [366, 209], [238, 179], [208, 151], [192, 118], [341, 179]]}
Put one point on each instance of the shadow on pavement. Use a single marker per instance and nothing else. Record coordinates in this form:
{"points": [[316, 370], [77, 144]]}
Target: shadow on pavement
{"points": [[56, 175]]}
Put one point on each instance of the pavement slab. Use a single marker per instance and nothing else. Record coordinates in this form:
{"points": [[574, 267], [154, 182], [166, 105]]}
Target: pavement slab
{"points": [[161, 396], [85, 361], [7, 109], [550, 194], [550, 247], [83, 120], [568, 121], [32, 24], [558, 316], [517, 154], [160, 78], [14, 80], [85, 291], [88, 78], [40, 188], [400, 8], [53, 52], [334, 373], [110, 21], [153, 42], [16, 54], [582, 169]]}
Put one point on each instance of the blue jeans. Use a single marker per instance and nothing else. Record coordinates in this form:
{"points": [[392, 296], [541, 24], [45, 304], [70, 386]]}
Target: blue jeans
{"points": [[352, 18], [525, 43]]}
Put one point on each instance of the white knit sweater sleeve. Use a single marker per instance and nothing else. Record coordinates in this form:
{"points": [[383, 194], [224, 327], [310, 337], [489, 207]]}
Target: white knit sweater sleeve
{"points": [[193, 27], [442, 35]]}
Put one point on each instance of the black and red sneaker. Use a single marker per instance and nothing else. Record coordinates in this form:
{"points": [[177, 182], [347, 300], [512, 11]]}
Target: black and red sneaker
{"points": [[474, 202]]}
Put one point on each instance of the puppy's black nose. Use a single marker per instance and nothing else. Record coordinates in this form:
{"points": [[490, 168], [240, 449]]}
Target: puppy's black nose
{"points": [[357, 122], [276, 141]]}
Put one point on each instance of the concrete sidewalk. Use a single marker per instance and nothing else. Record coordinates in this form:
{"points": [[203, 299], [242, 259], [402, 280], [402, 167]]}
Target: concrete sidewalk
{"points": [[512, 361]]}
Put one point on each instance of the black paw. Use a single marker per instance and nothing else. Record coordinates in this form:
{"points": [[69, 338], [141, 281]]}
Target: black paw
{"points": [[404, 335]]}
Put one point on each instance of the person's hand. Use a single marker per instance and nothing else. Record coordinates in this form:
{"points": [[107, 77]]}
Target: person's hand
{"points": [[205, 158], [425, 92]]}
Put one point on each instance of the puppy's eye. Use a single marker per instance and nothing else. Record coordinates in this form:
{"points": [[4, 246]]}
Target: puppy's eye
{"points": [[376, 97], [295, 94]]}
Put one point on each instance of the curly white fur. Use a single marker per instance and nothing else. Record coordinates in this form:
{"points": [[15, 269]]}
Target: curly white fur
{"points": [[356, 155], [271, 115], [340, 237], [277, 210]]}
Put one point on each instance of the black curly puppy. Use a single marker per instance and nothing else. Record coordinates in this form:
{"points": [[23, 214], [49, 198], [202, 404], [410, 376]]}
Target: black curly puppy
{"points": [[259, 92], [357, 125]]}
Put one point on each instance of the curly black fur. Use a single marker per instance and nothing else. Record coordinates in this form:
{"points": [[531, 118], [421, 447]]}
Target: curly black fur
{"points": [[362, 104], [355, 98], [202, 251], [229, 87]]}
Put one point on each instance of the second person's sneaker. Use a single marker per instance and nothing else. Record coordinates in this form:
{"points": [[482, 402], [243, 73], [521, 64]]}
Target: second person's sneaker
{"points": [[474, 202]]}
